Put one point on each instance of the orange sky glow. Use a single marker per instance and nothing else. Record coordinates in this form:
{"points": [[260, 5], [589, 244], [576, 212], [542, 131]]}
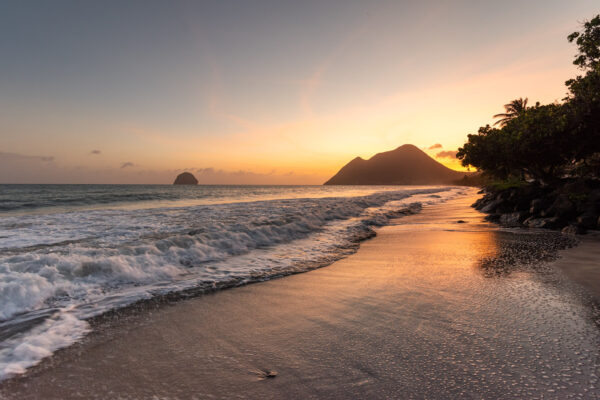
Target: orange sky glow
{"points": [[265, 100]]}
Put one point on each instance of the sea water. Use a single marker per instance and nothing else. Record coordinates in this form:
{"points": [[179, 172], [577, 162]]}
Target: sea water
{"points": [[72, 252]]}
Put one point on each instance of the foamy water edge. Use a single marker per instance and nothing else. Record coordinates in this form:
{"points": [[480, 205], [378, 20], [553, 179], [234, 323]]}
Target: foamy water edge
{"points": [[106, 274]]}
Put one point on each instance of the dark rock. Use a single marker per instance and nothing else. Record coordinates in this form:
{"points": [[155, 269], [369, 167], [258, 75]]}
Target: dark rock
{"points": [[572, 230], [572, 203], [492, 206], [548, 223], [505, 207], [594, 197], [536, 206], [562, 207], [511, 220], [185, 178], [270, 374], [493, 217], [577, 186], [478, 203], [587, 220], [561, 223], [521, 204], [504, 195]]}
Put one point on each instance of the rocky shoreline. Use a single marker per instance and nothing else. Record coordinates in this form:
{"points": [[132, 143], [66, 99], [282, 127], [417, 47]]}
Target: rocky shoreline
{"points": [[573, 207]]}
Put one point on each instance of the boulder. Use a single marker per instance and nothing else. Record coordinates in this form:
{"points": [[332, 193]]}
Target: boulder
{"points": [[594, 197], [536, 206], [493, 217], [587, 220], [562, 207], [511, 219], [483, 201], [522, 204], [477, 204], [185, 178], [492, 206], [572, 230], [548, 223]]}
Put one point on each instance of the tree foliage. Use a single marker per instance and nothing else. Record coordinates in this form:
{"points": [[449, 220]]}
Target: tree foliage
{"points": [[512, 110], [545, 142], [587, 43]]}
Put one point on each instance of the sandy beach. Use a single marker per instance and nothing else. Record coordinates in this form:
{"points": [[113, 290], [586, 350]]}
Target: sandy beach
{"points": [[418, 312], [582, 263]]}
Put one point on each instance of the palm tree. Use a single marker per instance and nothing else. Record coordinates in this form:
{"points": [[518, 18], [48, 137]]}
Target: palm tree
{"points": [[513, 110]]}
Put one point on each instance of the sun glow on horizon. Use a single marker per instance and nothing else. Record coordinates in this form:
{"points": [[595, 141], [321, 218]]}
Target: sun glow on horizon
{"points": [[262, 99]]}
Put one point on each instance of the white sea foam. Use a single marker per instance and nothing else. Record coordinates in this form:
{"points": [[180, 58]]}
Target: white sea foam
{"points": [[76, 265], [28, 348]]}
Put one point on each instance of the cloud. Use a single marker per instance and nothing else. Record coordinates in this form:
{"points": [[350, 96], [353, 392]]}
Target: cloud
{"points": [[20, 157], [210, 176], [95, 152], [435, 146], [19, 168], [446, 154]]}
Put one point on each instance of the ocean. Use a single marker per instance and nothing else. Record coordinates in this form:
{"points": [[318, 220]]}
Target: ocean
{"points": [[72, 252]]}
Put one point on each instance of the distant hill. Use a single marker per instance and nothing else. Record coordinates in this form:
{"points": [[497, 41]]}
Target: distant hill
{"points": [[407, 165]]}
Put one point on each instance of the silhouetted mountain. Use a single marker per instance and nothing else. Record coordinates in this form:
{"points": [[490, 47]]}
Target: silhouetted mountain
{"points": [[185, 178], [407, 165]]}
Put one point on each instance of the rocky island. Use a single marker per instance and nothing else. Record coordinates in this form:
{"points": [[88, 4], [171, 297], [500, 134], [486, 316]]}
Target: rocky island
{"points": [[185, 178]]}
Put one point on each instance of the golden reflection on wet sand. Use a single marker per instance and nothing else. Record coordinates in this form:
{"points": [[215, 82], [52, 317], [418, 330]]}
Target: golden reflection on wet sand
{"points": [[408, 316]]}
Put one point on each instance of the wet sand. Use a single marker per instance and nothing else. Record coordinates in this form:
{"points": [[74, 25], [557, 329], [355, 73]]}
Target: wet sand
{"points": [[415, 313], [582, 263]]}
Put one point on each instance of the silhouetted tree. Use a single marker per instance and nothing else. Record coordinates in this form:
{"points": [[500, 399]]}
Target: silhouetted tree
{"points": [[513, 110], [584, 94], [547, 141], [536, 143], [588, 43]]}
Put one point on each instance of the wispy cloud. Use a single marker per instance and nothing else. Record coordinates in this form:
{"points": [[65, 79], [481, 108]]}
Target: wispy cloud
{"points": [[19, 168], [21, 157], [435, 146], [218, 176], [446, 154], [95, 152]]}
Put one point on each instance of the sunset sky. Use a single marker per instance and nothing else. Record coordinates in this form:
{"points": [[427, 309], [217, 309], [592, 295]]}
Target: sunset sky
{"points": [[262, 91]]}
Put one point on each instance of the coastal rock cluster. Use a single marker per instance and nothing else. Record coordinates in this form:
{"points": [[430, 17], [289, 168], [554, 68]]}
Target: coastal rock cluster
{"points": [[572, 208]]}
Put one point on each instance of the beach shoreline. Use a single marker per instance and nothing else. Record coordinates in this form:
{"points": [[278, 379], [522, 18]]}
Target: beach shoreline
{"points": [[396, 319]]}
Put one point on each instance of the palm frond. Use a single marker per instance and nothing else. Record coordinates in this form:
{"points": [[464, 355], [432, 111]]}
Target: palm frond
{"points": [[513, 110]]}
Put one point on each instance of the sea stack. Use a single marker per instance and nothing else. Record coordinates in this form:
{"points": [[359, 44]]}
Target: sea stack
{"points": [[185, 178]]}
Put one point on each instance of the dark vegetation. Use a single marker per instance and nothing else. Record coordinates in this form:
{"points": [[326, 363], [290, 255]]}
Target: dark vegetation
{"points": [[541, 164]]}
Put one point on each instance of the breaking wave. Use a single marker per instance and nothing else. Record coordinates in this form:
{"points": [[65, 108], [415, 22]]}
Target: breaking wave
{"points": [[57, 270]]}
